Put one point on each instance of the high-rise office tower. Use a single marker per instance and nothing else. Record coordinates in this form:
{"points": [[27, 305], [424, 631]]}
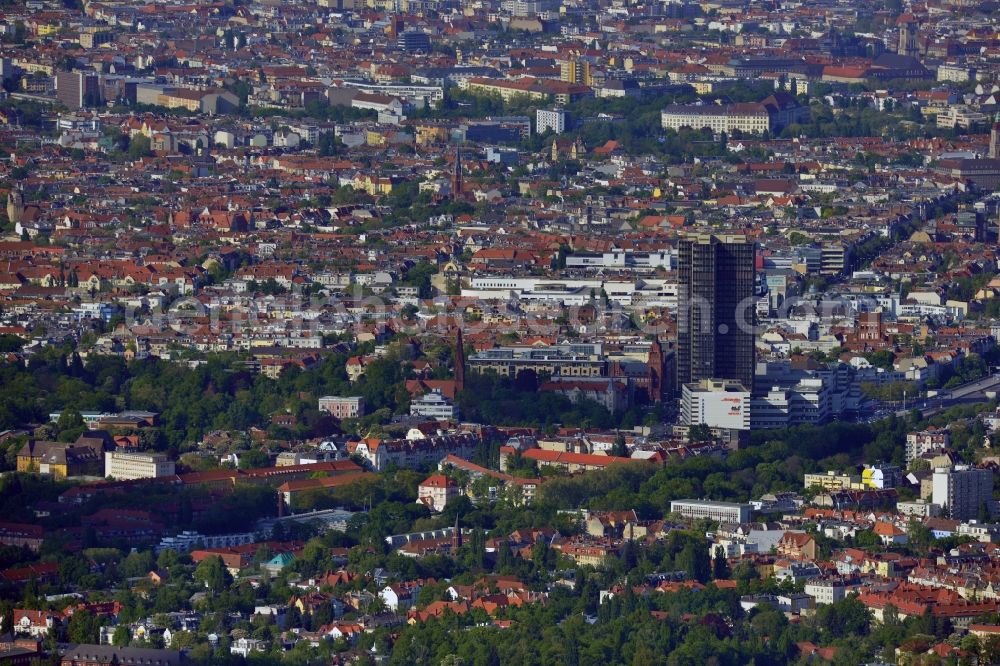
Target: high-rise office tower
{"points": [[715, 315], [78, 89]]}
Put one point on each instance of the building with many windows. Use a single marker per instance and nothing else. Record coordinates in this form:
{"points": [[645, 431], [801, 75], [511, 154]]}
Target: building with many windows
{"points": [[584, 360], [560, 92], [78, 89], [962, 490], [722, 512], [436, 491], [715, 314], [381, 453], [60, 460], [925, 441], [551, 119], [435, 406], [124, 466], [414, 95], [772, 114], [957, 72], [612, 394], [831, 590], [350, 407], [414, 41], [749, 118], [576, 70], [808, 401]]}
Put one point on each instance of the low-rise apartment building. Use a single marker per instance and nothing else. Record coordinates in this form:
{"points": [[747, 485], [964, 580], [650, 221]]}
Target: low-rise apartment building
{"points": [[125, 466], [722, 512]]}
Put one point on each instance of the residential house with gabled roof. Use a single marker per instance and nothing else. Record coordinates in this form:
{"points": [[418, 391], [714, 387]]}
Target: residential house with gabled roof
{"points": [[59, 459], [36, 623], [436, 491], [797, 546]]}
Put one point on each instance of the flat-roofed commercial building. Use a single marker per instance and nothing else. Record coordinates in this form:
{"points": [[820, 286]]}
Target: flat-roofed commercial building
{"points": [[127, 466], [722, 512], [717, 403], [562, 360]]}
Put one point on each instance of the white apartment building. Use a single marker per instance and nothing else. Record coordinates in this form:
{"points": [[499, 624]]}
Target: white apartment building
{"points": [[829, 590], [307, 131], [435, 491], [243, 647], [128, 466], [342, 407], [414, 452], [956, 72], [960, 117], [918, 508], [962, 490], [919, 443], [435, 406], [551, 119]]}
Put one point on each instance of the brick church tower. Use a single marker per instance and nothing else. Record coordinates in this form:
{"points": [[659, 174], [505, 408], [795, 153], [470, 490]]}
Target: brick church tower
{"points": [[655, 364], [457, 185]]}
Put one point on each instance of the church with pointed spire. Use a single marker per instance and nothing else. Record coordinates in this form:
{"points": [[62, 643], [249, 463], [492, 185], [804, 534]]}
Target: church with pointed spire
{"points": [[459, 362], [449, 388], [456, 537], [457, 183], [652, 381]]}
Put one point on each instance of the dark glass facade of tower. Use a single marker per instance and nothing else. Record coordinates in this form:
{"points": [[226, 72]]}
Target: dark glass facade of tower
{"points": [[716, 312]]}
